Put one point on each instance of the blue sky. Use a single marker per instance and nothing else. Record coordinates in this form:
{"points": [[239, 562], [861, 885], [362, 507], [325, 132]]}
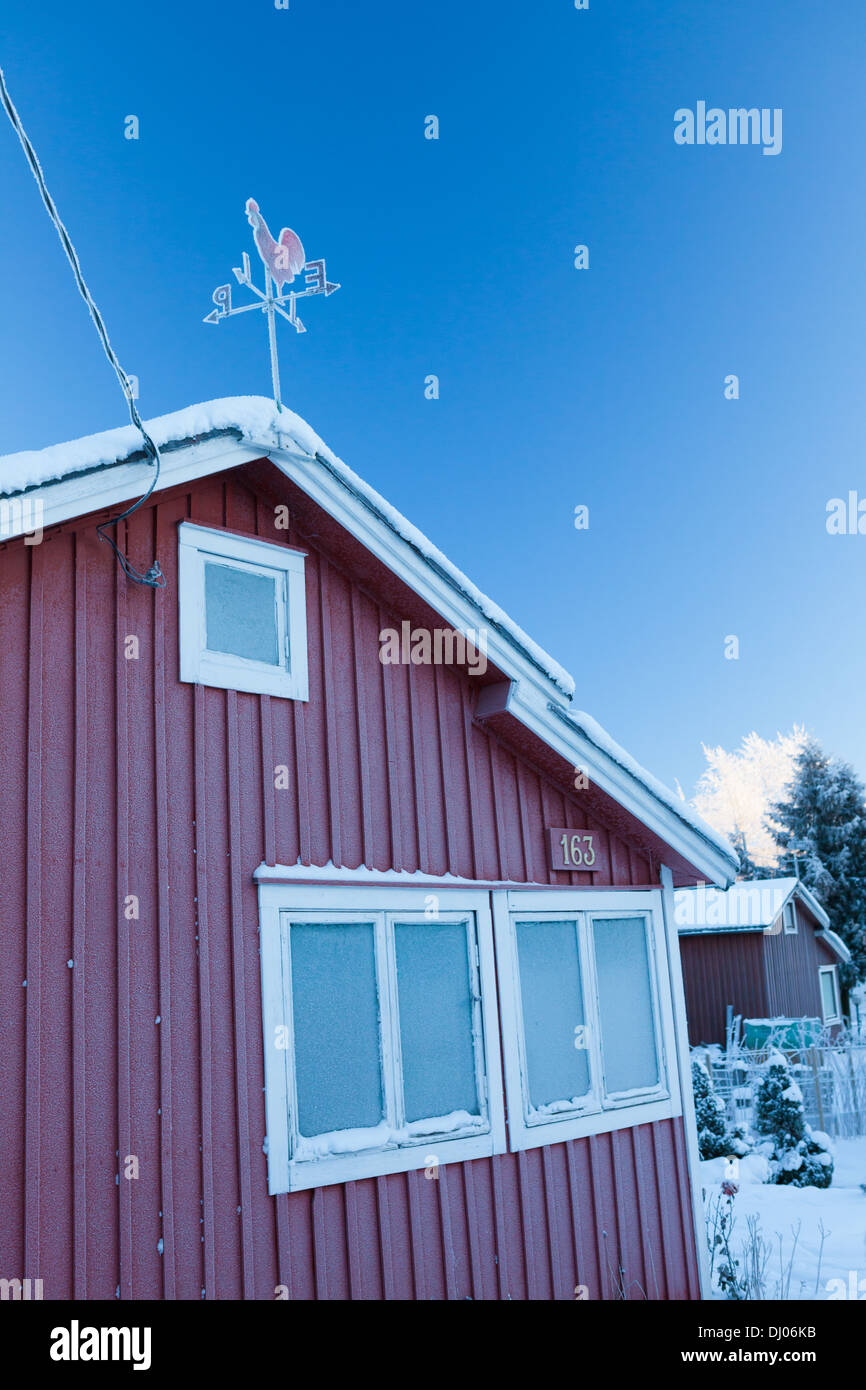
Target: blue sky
{"points": [[558, 387]]}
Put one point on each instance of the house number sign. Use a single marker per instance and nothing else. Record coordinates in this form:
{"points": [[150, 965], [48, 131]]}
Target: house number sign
{"points": [[578, 851]]}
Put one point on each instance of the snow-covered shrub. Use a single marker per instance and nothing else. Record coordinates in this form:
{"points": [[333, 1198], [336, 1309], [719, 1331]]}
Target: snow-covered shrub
{"points": [[714, 1139], [797, 1154]]}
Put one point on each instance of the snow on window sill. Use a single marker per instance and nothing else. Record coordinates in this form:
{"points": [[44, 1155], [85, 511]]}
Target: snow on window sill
{"points": [[345, 1142]]}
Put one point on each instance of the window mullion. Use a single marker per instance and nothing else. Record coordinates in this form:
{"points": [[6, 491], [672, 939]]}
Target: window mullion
{"points": [[477, 1019], [389, 1015], [652, 957], [289, 1022], [591, 1008]]}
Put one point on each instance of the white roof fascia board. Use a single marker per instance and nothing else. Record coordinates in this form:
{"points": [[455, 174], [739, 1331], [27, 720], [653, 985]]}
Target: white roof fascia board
{"points": [[112, 484], [836, 944], [813, 905], [437, 588], [439, 591]]}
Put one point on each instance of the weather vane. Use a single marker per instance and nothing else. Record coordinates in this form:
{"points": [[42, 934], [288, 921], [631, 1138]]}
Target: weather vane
{"points": [[283, 260]]}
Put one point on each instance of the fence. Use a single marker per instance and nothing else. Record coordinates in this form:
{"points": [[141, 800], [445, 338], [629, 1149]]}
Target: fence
{"points": [[831, 1074]]}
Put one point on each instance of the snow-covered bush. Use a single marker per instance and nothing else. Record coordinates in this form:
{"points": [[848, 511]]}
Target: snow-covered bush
{"points": [[797, 1154], [714, 1138]]}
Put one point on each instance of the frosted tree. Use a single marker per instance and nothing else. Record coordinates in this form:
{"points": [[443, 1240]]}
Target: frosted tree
{"points": [[820, 833], [738, 790], [713, 1138], [798, 1155]]}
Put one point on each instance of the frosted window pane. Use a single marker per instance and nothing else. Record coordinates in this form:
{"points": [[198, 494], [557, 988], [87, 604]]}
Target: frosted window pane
{"points": [[552, 994], [625, 1002], [336, 1026], [241, 613], [435, 1002], [828, 995]]}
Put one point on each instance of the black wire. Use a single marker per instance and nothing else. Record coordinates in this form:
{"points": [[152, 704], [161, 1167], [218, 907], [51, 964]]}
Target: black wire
{"points": [[153, 576]]}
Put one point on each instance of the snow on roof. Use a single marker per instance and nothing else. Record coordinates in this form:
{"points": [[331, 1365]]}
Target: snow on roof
{"points": [[248, 417], [257, 421], [749, 905]]}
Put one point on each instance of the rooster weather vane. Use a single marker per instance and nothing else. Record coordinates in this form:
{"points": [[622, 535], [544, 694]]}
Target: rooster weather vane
{"points": [[283, 260]]}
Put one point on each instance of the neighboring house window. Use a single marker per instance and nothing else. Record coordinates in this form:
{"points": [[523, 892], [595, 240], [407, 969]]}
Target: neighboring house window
{"points": [[242, 613], [587, 1013], [830, 1003], [789, 918], [380, 1032]]}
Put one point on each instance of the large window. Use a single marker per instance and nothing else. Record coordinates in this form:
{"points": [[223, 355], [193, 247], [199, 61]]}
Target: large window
{"points": [[831, 1007], [587, 1024], [242, 613], [380, 1031]]}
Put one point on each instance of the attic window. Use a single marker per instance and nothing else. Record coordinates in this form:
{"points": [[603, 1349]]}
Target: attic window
{"points": [[830, 1005], [242, 614], [789, 919]]}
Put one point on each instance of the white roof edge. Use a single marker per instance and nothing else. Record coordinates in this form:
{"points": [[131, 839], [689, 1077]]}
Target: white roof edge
{"points": [[836, 944], [813, 905], [217, 435]]}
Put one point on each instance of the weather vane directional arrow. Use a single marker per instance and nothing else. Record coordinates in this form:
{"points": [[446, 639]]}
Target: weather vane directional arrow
{"points": [[283, 260]]}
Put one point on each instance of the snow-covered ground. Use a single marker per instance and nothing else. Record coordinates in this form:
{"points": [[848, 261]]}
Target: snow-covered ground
{"points": [[839, 1209]]}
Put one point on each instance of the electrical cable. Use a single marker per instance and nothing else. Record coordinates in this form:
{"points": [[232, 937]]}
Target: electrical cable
{"points": [[154, 575]]}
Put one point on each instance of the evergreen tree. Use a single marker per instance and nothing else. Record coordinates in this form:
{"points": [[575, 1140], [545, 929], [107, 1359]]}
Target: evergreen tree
{"points": [[821, 833], [713, 1138], [779, 1107], [800, 1157]]}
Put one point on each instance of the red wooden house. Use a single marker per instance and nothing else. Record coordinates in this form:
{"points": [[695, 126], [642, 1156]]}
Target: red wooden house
{"points": [[761, 950], [337, 957]]}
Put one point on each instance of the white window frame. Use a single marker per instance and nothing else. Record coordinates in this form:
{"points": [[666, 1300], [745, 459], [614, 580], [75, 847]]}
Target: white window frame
{"points": [[789, 918], [599, 1113], [836, 1016], [278, 904], [225, 670]]}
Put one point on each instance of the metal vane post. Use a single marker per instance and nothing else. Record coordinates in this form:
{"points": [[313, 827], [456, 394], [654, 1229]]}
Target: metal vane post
{"points": [[283, 260]]}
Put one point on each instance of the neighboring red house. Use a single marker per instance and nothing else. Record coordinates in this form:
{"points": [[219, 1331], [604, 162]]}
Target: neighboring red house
{"points": [[761, 950], [337, 958]]}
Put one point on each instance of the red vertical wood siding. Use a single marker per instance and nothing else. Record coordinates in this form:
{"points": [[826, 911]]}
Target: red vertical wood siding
{"points": [[792, 962], [135, 809], [722, 968], [761, 974]]}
